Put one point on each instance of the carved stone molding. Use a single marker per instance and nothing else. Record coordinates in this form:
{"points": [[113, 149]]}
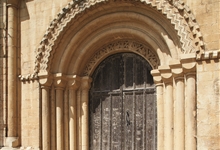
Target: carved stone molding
{"points": [[59, 81], [73, 81], [86, 83], [209, 55], [123, 45], [184, 24], [166, 74], [176, 69], [188, 62], [157, 76]]}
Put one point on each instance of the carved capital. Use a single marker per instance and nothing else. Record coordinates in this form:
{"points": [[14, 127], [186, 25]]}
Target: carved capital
{"points": [[176, 68], [13, 3], [73, 81], [86, 83], [59, 80], [45, 80], [157, 76], [188, 62], [166, 74]]}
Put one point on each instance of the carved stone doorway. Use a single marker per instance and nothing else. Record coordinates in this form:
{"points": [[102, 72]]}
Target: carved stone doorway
{"points": [[122, 105]]}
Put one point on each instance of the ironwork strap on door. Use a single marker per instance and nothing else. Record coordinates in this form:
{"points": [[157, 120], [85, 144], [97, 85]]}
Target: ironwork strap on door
{"points": [[123, 113]]}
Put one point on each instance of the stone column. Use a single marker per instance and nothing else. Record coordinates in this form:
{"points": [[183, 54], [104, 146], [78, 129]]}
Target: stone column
{"points": [[45, 88], [85, 86], [12, 27], [160, 109], [73, 84], [66, 120], [168, 106], [79, 123], [59, 88], [179, 106], [190, 111], [189, 65]]}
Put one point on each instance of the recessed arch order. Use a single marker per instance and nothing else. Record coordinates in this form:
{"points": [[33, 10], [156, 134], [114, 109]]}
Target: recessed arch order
{"points": [[82, 28], [87, 32]]}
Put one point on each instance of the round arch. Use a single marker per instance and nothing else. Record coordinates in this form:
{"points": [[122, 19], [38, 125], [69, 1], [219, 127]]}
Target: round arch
{"points": [[87, 32], [169, 28]]}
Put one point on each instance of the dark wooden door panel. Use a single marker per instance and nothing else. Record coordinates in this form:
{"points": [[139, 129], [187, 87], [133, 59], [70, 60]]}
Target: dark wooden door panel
{"points": [[122, 105]]}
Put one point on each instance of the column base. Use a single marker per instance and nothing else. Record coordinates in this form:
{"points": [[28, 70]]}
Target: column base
{"points": [[9, 148], [11, 142]]}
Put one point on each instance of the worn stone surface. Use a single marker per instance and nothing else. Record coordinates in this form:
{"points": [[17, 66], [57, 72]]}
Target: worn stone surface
{"points": [[62, 38]]}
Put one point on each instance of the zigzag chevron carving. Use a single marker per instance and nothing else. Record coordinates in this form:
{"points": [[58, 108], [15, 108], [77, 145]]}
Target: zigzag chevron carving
{"points": [[177, 12]]}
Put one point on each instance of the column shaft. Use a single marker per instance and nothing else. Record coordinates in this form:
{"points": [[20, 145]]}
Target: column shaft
{"points": [[160, 117], [45, 119], [190, 112], [79, 123], [85, 86], [12, 70], [179, 117], [168, 117], [72, 119], [53, 119], [66, 121], [85, 118], [59, 118]]}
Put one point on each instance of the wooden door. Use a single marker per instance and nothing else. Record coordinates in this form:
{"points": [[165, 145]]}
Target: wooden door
{"points": [[123, 105]]}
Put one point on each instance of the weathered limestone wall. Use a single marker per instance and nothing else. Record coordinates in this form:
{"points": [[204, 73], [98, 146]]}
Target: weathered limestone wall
{"points": [[208, 104], [30, 115], [207, 16], [35, 17]]}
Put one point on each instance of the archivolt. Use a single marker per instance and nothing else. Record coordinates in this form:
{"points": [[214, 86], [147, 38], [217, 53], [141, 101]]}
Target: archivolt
{"points": [[178, 13], [120, 46]]}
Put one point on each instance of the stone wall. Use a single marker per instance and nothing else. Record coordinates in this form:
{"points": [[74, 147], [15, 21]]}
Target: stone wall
{"points": [[35, 17], [208, 104], [30, 115], [207, 16]]}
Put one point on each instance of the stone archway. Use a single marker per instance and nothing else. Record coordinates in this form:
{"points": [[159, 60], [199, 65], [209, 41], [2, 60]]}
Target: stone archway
{"points": [[70, 52]]}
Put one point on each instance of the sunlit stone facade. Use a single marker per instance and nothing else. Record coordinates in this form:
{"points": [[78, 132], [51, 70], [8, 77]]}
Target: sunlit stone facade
{"points": [[49, 50]]}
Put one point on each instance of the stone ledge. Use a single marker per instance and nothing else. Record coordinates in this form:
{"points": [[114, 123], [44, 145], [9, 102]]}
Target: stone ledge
{"points": [[214, 54]]}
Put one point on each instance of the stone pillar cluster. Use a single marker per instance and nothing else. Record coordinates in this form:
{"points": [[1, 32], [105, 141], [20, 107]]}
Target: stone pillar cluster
{"points": [[176, 104], [70, 111]]}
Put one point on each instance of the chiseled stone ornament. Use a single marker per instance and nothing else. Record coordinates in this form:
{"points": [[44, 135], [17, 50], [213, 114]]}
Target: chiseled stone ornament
{"points": [[176, 12], [119, 46]]}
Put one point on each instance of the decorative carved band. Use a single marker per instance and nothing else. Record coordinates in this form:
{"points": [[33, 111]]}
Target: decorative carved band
{"points": [[184, 23], [119, 46]]}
